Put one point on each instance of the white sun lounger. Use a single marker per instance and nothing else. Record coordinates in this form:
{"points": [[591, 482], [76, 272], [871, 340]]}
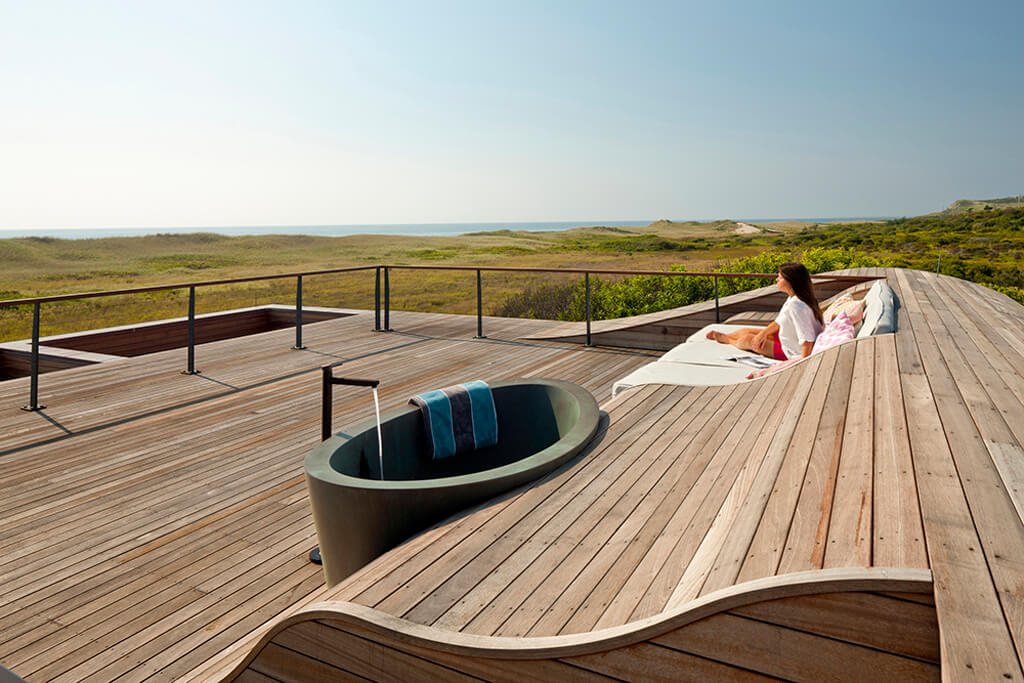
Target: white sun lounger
{"points": [[697, 362], [700, 361]]}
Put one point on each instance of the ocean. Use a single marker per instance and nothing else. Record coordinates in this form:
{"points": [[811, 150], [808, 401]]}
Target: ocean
{"points": [[422, 229]]}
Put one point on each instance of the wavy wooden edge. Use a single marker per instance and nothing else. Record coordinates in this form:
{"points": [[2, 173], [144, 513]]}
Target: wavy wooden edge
{"points": [[800, 362], [396, 629]]}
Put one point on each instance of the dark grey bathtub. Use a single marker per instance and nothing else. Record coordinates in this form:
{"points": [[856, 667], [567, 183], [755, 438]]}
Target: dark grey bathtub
{"points": [[541, 424]]}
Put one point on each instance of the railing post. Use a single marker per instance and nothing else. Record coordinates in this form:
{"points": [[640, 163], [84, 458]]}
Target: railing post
{"points": [[718, 314], [298, 314], [938, 264], [387, 300], [376, 302], [191, 333], [479, 307], [327, 410], [33, 395], [586, 282]]}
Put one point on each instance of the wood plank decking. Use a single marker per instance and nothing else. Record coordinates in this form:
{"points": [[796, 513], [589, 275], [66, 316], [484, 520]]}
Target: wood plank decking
{"points": [[858, 515], [689, 490], [160, 517], [892, 453]]}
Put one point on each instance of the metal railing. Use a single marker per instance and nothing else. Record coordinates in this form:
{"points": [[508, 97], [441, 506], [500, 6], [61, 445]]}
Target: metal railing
{"points": [[382, 272], [586, 272], [190, 367]]}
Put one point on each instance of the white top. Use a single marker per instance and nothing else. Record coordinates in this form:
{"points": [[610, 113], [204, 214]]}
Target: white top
{"points": [[797, 325]]}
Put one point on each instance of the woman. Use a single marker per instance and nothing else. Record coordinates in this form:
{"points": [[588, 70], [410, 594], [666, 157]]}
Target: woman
{"points": [[794, 330]]}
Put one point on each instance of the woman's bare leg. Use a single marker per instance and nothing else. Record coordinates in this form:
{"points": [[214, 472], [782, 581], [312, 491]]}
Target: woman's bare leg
{"points": [[741, 339]]}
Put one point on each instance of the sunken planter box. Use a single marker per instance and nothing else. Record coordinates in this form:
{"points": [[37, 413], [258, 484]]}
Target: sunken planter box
{"points": [[359, 515]]}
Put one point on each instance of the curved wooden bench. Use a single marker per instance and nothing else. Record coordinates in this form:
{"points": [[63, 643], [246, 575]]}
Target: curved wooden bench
{"points": [[841, 624]]}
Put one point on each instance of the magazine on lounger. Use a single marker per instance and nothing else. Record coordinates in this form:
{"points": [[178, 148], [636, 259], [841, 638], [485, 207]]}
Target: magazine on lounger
{"points": [[755, 361]]}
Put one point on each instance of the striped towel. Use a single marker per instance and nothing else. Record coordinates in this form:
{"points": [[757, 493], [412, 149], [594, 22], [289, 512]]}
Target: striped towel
{"points": [[458, 419]]}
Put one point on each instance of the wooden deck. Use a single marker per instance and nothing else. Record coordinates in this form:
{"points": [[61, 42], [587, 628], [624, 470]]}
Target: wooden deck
{"points": [[859, 515], [888, 471], [151, 519]]}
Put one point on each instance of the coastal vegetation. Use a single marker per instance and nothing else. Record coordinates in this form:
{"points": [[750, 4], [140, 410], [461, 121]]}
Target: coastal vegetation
{"points": [[650, 293], [44, 266], [982, 243], [976, 241]]}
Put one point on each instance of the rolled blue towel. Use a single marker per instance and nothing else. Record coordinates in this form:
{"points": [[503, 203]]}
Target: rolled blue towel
{"points": [[458, 419]]}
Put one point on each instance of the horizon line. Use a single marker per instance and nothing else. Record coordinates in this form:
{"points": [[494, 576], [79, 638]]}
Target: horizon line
{"points": [[580, 223]]}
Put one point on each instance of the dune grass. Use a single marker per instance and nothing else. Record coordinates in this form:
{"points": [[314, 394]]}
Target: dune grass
{"points": [[41, 266], [984, 246]]}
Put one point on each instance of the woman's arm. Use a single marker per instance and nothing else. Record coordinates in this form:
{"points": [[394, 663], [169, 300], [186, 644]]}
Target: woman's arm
{"points": [[806, 350], [762, 336]]}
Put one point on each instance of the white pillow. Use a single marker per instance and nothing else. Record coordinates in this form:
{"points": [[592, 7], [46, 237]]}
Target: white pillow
{"points": [[887, 323], [879, 310], [872, 314]]}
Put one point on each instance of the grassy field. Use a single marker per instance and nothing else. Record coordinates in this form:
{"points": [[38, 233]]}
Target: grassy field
{"points": [[46, 266], [983, 245]]}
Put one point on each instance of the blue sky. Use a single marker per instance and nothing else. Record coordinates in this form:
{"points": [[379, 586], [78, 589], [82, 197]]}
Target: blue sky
{"points": [[147, 114]]}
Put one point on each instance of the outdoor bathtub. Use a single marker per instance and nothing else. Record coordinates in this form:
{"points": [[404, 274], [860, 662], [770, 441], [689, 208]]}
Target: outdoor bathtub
{"points": [[541, 424]]}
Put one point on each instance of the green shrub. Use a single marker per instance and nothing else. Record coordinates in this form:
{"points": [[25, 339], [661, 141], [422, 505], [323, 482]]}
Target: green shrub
{"points": [[546, 302], [1015, 293], [650, 293]]}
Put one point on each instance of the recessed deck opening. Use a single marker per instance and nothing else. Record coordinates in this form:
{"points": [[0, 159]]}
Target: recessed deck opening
{"points": [[143, 338], [16, 363]]}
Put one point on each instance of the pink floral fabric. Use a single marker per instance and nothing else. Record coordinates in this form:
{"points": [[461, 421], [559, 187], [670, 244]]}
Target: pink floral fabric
{"points": [[853, 309], [775, 368], [835, 332]]}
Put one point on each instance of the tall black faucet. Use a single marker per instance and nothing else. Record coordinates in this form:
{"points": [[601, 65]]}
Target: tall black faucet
{"points": [[328, 403], [329, 380]]}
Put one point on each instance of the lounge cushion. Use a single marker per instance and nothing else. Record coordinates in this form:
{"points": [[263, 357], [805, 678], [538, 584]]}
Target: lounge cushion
{"points": [[691, 374], [836, 332], [872, 314], [854, 309], [701, 335], [879, 311], [887, 321]]}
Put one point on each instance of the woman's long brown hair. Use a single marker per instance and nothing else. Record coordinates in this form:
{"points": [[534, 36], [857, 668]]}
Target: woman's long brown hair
{"points": [[800, 280]]}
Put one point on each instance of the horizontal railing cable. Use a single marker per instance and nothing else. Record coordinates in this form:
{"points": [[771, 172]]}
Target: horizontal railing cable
{"points": [[183, 285]]}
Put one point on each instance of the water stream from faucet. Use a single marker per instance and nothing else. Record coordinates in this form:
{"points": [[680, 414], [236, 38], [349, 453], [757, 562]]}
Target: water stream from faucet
{"points": [[380, 439]]}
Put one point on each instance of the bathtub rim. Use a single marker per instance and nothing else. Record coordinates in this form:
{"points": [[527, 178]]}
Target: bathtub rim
{"points": [[318, 465]]}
